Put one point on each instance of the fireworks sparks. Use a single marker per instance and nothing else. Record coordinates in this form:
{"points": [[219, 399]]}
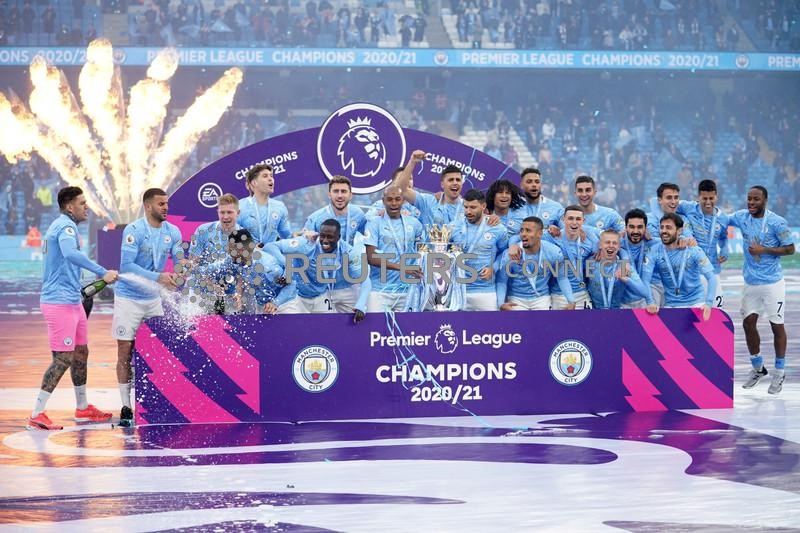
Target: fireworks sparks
{"points": [[146, 113], [101, 93], [16, 142], [112, 155], [201, 116]]}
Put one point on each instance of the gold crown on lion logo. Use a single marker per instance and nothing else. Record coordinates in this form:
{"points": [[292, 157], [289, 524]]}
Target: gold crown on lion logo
{"points": [[359, 121]]}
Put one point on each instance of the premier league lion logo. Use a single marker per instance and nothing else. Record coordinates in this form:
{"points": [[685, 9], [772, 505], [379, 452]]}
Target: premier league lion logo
{"points": [[361, 141], [360, 150], [446, 340]]}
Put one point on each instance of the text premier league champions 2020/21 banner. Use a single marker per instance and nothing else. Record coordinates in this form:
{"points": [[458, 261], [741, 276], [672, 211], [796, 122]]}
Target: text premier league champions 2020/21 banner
{"points": [[425, 58], [253, 368]]}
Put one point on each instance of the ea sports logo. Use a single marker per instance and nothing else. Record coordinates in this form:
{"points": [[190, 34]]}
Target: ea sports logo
{"points": [[364, 143], [208, 194]]}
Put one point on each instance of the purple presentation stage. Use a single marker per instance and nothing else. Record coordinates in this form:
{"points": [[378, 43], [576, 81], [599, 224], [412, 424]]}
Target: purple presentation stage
{"points": [[324, 367], [293, 368]]}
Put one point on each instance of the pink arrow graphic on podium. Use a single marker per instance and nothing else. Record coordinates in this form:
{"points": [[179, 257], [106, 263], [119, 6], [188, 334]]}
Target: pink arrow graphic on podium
{"points": [[168, 376], [237, 363]]}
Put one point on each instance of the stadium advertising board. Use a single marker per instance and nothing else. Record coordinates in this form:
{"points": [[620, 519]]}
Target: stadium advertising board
{"points": [[424, 58]]}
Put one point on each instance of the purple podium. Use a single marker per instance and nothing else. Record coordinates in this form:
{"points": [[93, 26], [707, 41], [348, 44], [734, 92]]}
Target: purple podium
{"points": [[323, 367]]}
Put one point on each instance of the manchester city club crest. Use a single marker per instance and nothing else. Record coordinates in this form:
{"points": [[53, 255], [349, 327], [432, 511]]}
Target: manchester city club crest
{"points": [[364, 143], [315, 368], [570, 362], [742, 61]]}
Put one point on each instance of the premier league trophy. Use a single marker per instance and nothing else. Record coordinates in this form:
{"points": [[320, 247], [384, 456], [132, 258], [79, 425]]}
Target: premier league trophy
{"points": [[438, 288]]}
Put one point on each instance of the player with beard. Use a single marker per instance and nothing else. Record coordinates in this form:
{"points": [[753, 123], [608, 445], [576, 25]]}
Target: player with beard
{"points": [[767, 237], [578, 242], [536, 205], [667, 201], [635, 248], [255, 277], [680, 270], [147, 244], [265, 218], [525, 285], [60, 303], [351, 219], [209, 246], [317, 268], [502, 198], [377, 207], [209, 240], [611, 278], [445, 210], [392, 234], [476, 237], [709, 226], [596, 216]]}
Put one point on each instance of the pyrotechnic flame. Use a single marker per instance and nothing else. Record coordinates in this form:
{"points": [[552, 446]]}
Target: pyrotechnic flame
{"points": [[54, 105], [16, 136], [22, 124], [100, 90], [164, 65], [122, 156], [200, 117], [147, 110]]}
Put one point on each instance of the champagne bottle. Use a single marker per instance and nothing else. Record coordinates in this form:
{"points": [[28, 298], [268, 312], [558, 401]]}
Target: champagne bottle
{"points": [[88, 304], [219, 306], [93, 288]]}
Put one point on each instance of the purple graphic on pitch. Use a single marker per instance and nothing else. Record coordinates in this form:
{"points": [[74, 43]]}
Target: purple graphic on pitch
{"points": [[65, 508], [717, 450]]}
